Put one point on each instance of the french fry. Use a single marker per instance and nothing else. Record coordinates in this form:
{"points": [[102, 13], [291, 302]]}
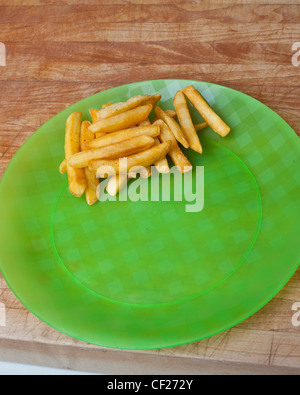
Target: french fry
{"points": [[106, 105], [213, 120], [133, 102], [173, 125], [134, 171], [106, 167], [171, 113], [124, 148], [200, 126], [92, 185], [146, 122], [92, 181], [122, 121], [116, 184], [162, 166], [95, 118], [186, 122], [121, 142], [153, 100], [77, 183], [63, 167], [145, 172], [175, 153], [86, 136], [122, 135], [93, 114], [99, 134]]}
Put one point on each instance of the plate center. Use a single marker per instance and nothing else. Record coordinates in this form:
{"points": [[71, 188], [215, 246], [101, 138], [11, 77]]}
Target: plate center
{"points": [[149, 252]]}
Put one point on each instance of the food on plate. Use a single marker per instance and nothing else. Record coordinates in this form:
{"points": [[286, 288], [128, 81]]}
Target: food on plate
{"points": [[175, 153], [86, 137], [113, 151], [124, 140], [213, 120], [123, 135], [146, 122], [154, 100], [186, 123], [108, 167], [94, 117], [145, 172], [92, 181], [116, 184], [99, 134], [118, 108], [173, 125], [124, 120], [107, 105], [93, 114], [63, 167], [162, 165], [77, 182], [171, 113], [200, 126]]}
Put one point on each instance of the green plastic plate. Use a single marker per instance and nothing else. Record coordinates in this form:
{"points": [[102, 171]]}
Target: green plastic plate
{"points": [[149, 274]]}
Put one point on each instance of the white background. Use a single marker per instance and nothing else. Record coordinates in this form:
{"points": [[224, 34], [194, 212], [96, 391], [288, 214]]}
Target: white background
{"points": [[7, 368]]}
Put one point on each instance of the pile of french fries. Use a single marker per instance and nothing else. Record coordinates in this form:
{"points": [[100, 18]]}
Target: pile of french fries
{"points": [[122, 142]]}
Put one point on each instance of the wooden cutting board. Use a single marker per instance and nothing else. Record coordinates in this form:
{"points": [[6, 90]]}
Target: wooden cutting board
{"points": [[59, 52]]}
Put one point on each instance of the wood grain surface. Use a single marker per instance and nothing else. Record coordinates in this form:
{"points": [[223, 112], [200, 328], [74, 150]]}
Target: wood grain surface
{"points": [[59, 52]]}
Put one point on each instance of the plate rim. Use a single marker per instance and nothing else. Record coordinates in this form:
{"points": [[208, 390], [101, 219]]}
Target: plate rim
{"points": [[65, 110]]}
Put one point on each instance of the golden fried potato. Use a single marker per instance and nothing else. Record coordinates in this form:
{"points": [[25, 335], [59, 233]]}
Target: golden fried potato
{"points": [[208, 114], [200, 126], [93, 114], [122, 121], [186, 123], [63, 167], [92, 181], [171, 113], [116, 184], [106, 105], [162, 166], [173, 125], [133, 102], [124, 148], [146, 122], [122, 135], [146, 158], [77, 182], [175, 153], [153, 100]]}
